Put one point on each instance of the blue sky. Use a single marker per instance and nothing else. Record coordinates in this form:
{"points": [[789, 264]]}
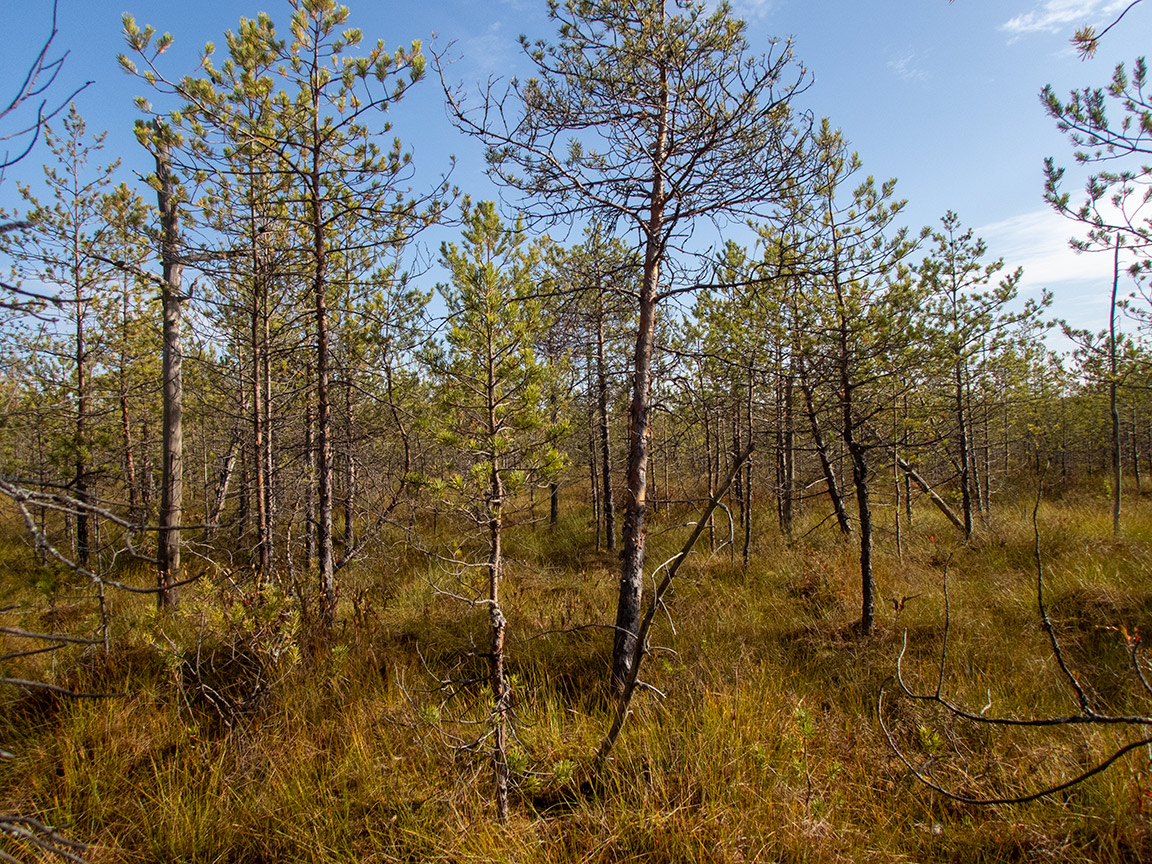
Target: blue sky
{"points": [[941, 95]]}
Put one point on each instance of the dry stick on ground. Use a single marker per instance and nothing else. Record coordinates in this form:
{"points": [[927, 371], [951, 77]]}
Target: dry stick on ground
{"points": [[23, 497], [34, 834], [641, 648], [39, 836], [1086, 716]]}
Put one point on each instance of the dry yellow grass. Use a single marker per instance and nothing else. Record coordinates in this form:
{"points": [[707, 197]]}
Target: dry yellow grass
{"points": [[765, 746]]}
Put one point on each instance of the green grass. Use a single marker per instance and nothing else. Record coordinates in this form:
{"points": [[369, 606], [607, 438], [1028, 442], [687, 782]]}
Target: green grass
{"points": [[243, 738]]}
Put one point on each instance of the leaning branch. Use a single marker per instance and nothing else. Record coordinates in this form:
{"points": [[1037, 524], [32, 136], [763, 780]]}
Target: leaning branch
{"points": [[40, 836], [672, 567], [940, 503]]}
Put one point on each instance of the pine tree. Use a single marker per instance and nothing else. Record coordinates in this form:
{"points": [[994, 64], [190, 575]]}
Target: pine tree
{"points": [[863, 330], [494, 412], [966, 310], [652, 120], [63, 246], [1113, 213], [346, 193]]}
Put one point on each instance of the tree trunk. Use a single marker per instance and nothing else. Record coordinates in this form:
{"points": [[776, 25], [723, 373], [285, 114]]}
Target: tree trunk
{"points": [[896, 477], [667, 460], [747, 503], [608, 505], [962, 446], [309, 482], [500, 696], [172, 482], [129, 461], [324, 554], [976, 475], [266, 462], [245, 495], [867, 579], [987, 450], [825, 459], [497, 680], [791, 502], [709, 462], [125, 417], [738, 483], [858, 456], [628, 609], [80, 483], [593, 476], [781, 516], [259, 430], [496, 616], [221, 492], [350, 478], [624, 696], [1135, 452], [1112, 384]]}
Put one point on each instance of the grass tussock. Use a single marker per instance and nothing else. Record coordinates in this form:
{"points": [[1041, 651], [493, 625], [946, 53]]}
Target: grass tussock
{"points": [[233, 732]]}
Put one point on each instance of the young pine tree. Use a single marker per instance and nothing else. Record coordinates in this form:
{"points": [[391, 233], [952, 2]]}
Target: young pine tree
{"points": [[494, 414], [61, 247]]}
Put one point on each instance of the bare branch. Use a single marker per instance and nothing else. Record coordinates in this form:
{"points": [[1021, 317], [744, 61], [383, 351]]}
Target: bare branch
{"points": [[1086, 715]]}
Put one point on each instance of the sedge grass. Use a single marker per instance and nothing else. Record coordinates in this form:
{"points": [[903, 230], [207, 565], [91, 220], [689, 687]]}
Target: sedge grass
{"points": [[763, 747]]}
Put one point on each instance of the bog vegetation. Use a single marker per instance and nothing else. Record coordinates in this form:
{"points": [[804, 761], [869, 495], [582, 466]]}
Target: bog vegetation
{"points": [[599, 550]]}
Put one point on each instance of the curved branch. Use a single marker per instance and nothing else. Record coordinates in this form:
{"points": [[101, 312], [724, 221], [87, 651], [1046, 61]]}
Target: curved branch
{"points": [[1087, 716]]}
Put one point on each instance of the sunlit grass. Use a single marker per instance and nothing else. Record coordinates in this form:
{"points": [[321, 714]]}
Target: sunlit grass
{"points": [[762, 747]]}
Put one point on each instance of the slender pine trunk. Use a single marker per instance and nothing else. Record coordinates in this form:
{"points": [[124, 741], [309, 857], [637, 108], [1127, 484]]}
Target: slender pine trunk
{"points": [[1135, 452], [1112, 387], [607, 505], [825, 459], [172, 482]]}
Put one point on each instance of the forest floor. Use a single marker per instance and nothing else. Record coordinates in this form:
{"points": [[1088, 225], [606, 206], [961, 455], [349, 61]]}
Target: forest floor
{"points": [[236, 735]]}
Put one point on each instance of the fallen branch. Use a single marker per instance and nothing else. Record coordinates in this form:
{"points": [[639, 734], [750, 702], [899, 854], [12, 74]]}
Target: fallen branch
{"points": [[1085, 716]]}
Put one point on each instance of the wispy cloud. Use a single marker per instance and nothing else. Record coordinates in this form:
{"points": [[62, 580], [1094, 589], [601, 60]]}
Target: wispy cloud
{"points": [[1055, 16], [753, 10], [749, 10], [907, 66], [491, 51], [1038, 242]]}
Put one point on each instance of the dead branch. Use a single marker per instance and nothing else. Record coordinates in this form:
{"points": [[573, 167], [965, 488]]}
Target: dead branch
{"points": [[1086, 715], [672, 566], [40, 836], [940, 503]]}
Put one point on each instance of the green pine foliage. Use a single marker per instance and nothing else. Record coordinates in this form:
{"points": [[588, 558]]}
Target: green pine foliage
{"points": [[387, 638]]}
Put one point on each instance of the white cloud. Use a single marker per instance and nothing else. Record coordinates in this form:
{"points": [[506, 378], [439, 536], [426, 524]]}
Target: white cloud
{"points": [[907, 66], [1055, 16], [492, 51], [749, 10], [1038, 242], [1081, 282], [753, 10]]}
